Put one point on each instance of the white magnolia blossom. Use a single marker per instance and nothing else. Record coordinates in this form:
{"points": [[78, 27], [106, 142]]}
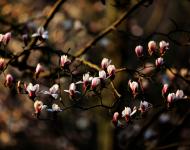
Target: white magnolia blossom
{"points": [[102, 74], [126, 112], [39, 106], [180, 95], [72, 90], [9, 80], [64, 61], [32, 90], [144, 106], [56, 108], [95, 82], [42, 33], [111, 70], [133, 86], [53, 91], [105, 63]]}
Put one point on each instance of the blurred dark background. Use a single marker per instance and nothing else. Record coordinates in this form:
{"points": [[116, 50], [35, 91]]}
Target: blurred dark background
{"points": [[77, 22]]}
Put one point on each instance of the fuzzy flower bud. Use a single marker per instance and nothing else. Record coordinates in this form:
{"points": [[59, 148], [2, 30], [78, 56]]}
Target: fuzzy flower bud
{"points": [[163, 47], [165, 89], [151, 47], [105, 63], [38, 106], [133, 86], [95, 82], [159, 62], [139, 51], [9, 80], [39, 69], [171, 97], [2, 63], [126, 113], [64, 61], [111, 71]]}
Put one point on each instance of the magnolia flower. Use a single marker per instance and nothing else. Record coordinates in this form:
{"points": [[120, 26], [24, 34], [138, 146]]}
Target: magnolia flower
{"points": [[32, 90], [72, 90], [9, 80], [115, 119], [2, 63], [53, 91], [151, 47], [126, 113], [102, 75], [165, 89], [5, 38], [41, 33], [179, 94], [64, 61], [105, 63], [144, 106], [163, 47], [171, 97], [95, 82], [159, 62], [39, 69], [139, 51], [38, 106], [111, 71], [85, 81], [133, 86], [55, 108]]}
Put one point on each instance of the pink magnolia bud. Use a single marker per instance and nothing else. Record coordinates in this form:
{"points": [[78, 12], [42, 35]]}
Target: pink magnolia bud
{"points": [[151, 47], [64, 61], [95, 82], [159, 62], [163, 47], [133, 86], [115, 119], [126, 113], [111, 71], [9, 80], [170, 98], [39, 69], [6, 38], [1, 38], [2, 63], [165, 89], [139, 51], [38, 106], [105, 63]]}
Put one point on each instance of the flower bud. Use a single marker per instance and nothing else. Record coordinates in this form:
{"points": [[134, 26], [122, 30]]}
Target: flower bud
{"points": [[2, 63], [151, 47], [115, 119], [111, 71], [95, 83], [159, 62], [56, 108], [139, 51], [165, 89], [9, 80], [163, 47], [170, 98], [102, 74], [105, 63], [6, 38], [126, 113], [179, 94], [133, 86], [39, 69], [144, 105], [64, 61], [19, 86], [38, 106]]}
